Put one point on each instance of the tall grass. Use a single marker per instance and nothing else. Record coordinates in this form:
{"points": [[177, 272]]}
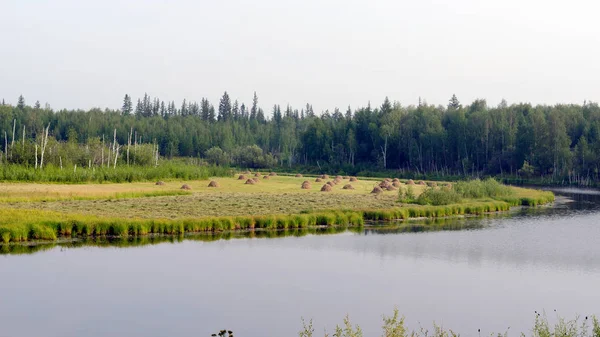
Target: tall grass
{"points": [[120, 174], [394, 326]]}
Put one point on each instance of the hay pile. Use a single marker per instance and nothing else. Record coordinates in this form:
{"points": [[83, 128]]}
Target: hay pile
{"points": [[272, 174], [331, 183], [186, 187], [348, 187], [250, 182], [324, 176], [246, 172], [391, 188], [326, 188], [256, 179], [396, 180], [346, 177], [352, 179], [298, 175], [257, 174], [266, 177], [160, 183], [213, 184], [410, 182], [384, 184], [388, 180], [242, 177], [421, 182], [396, 184], [318, 180], [306, 185], [431, 184], [376, 190]]}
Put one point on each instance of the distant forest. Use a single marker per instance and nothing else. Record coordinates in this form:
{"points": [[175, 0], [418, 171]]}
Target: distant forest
{"points": [[560, 141]]}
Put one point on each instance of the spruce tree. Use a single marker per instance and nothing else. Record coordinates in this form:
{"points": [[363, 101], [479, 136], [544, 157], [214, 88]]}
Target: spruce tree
{"points": [[21, 102], [127, 105], [453, 104], [224, 108], [254, 109], [37, 105]]}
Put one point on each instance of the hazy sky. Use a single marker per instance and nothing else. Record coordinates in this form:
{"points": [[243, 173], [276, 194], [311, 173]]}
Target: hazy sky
{"points": [[83, 54]]}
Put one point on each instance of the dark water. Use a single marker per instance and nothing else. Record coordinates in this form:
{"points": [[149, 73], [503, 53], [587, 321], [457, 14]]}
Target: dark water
{"points": [[492, 275]]}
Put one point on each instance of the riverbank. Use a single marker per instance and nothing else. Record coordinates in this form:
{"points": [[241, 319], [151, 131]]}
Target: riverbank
{"points": [[271, 203]]}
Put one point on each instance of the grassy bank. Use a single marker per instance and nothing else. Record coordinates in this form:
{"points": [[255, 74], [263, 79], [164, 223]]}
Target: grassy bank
{"points": [[99, 210]]}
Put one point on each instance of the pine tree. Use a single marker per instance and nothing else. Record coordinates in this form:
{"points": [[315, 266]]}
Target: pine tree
{"points": [[453, 104], [204, 109], [386, 107], [235, 111], [184, 108], [127, 105], [139, 108], [37, 105], [260, 116], [254, 109], [224, 108], [163, 109], [21, 102]]}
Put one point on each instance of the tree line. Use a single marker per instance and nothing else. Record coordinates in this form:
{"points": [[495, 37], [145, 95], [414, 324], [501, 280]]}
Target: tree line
{"points": [[559, 141]]}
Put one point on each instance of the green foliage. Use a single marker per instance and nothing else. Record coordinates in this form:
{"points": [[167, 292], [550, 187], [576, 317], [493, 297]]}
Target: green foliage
{"points": [[436, 197], [477, 189], [216, 156], [166, 170]]}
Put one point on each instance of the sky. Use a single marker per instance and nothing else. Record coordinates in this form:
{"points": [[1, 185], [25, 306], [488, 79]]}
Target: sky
{"points": [[331, 53]]}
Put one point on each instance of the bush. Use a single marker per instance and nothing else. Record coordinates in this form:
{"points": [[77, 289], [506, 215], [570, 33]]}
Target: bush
{"points": [[436, 197]]}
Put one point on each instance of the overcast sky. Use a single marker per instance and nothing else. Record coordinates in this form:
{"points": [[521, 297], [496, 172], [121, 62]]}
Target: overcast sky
{"points": [[83, 54]]}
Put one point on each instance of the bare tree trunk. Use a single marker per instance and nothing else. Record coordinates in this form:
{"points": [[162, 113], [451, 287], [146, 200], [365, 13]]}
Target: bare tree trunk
{"points": [[23, 138], [36, 158], [60, 160], [116, 156], [129, 145], [12, 144], [44, 144], [102, 151], [5, 146]]}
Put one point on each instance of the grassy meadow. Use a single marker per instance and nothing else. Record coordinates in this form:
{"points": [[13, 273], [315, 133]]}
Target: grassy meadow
{"points": [[35, 211]]}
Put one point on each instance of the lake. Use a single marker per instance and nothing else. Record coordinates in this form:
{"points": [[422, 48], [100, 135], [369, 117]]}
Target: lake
{"points": [[491, 275]]}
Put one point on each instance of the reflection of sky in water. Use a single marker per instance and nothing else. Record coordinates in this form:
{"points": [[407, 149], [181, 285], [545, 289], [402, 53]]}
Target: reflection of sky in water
{"points": [[490, 277]]}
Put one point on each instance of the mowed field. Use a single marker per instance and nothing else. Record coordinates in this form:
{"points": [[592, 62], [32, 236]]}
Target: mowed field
{"points": [[276, 195]]}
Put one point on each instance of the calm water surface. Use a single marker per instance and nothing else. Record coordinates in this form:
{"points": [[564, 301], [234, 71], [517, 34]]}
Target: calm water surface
{"points": [[492, 278]]}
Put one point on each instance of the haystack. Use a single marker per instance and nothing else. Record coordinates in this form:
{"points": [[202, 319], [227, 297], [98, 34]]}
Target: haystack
{"points": [[306, 185], [388, 180], [348, 187], [185, 187], [377, 190], [410, 182], [396, 180], [331, 183], [257, 174], [266, 177], [431, 184], [160, 183], [396, 184], [391, 188], [298, 175], [213, 184], [346, 177], [324, 176], [256, 179], [326, 188], [384, 184], [421, 182], [242, 177], [318, 180], [250, 182], [272, 174], [352, 179], [339, 177]]}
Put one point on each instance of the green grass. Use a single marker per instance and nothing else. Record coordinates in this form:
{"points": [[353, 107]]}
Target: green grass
{"points": [[120, 174]]}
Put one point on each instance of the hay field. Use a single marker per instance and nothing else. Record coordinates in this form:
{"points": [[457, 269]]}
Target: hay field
{"points": [[233, 197]]}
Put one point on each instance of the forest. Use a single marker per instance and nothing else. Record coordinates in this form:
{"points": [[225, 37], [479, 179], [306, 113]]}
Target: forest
{"points": [[558, 142]]}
